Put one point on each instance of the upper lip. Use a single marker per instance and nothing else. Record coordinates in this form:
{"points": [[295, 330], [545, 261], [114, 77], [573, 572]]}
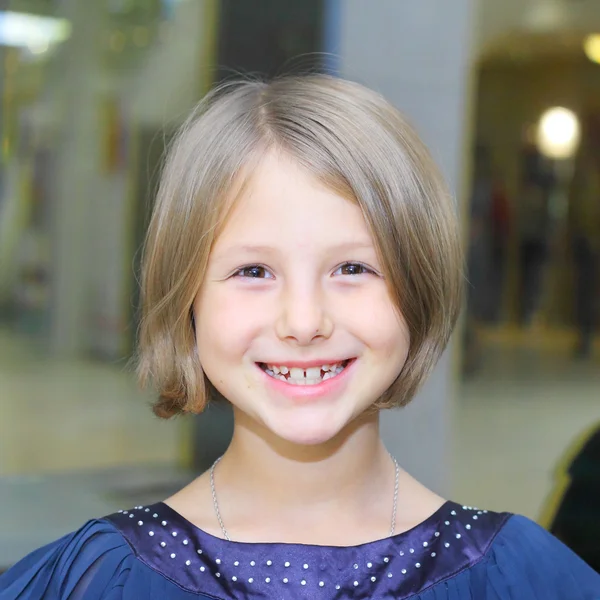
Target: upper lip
{"points": [[305, 364]]}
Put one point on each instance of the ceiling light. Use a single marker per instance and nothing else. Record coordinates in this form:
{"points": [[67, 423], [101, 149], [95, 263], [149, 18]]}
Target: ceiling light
{"points": [[23, 30], [558, 133], [591, 47]]}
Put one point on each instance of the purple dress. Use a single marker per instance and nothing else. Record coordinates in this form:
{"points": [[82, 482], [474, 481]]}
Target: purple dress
{"points": [[153, 553]]}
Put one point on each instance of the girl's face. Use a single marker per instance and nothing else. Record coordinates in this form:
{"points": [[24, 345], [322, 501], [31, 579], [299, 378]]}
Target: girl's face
{"points": [[294, 322]]}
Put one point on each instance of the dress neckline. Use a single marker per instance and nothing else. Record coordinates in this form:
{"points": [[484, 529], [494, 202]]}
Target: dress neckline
{"points": [[202, 533], [453, 538]]}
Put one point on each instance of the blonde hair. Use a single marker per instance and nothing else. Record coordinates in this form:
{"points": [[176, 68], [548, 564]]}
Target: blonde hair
{"points": [[355, 143]]}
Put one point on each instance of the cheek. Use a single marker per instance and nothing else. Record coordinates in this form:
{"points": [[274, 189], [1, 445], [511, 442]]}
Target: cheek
{"points": [[226, 324], [382, 327]]}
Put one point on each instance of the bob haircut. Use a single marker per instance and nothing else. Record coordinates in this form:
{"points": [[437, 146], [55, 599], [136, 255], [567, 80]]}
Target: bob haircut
{"points": [[352, 141]]}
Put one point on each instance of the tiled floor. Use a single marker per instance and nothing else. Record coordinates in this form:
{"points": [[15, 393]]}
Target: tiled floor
{"points": [[77, 438], [83, 431], [516, 418], [71, 415]]}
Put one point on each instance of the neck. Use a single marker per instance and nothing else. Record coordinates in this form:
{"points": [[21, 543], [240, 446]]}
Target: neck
{"points": [[263, 478]]}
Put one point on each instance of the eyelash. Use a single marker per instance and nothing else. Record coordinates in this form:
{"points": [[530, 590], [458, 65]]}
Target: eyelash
{"points": [[365, 270], [239, 272]]}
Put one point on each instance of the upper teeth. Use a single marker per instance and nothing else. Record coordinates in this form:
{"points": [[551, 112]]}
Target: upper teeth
{"points": [[304, 376], [296, 372]]}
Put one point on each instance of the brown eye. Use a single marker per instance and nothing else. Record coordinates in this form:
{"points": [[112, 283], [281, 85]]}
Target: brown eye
{"points": [[352, 269], [254, 272]]}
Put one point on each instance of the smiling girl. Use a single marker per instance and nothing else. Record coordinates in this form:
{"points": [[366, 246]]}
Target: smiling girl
{"points": [[303, 263]]}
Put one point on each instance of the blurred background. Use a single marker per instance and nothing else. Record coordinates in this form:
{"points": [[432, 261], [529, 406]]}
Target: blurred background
{"points": [[507, 96]]}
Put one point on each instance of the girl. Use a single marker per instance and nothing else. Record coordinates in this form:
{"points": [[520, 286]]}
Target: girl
{"points": [[303, 263]]}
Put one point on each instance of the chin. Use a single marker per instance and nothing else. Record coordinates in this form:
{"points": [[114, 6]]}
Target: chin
{"points": [[307, 430], [307, 438]]}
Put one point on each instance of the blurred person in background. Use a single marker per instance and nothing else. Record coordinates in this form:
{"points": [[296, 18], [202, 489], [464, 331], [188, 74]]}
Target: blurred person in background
{"points": [[500, 226], [576, 520], [584, 234], [479, 256], [533, 229]]}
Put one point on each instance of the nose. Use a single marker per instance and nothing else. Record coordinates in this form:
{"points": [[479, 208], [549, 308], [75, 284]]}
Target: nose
{"points": [[304, 317]]}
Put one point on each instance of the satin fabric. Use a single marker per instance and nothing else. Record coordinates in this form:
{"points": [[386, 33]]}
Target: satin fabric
{"points": [[459, 553]]}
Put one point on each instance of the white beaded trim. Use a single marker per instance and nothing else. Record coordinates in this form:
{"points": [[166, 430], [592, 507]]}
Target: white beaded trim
{"points": [[305, 566]]}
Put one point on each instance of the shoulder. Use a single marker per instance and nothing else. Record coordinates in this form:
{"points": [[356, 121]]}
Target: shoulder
{"points": [[523, 536], [96, 552], [525, 556]]}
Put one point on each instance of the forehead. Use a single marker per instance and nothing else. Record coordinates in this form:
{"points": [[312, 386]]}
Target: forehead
{"points": [[284, 204]]}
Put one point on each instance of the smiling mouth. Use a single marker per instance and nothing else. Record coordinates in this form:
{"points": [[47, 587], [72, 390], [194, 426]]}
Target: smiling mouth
{"points": [[305, 376]]}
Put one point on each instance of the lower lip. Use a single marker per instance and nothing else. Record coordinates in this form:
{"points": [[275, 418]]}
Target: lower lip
{"points": [[310, 392]]}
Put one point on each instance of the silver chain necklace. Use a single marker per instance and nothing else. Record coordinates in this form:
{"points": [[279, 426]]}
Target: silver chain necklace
{"points": [[226, 534]]}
